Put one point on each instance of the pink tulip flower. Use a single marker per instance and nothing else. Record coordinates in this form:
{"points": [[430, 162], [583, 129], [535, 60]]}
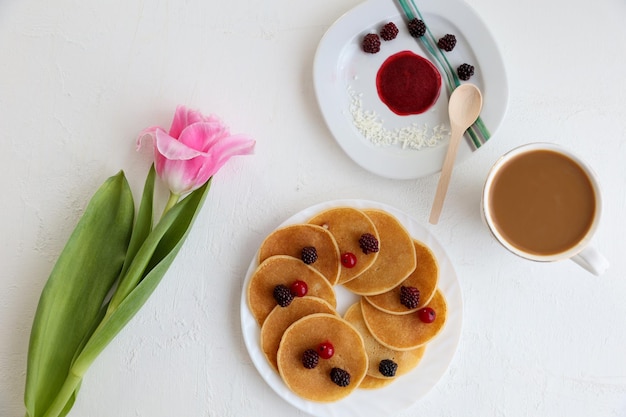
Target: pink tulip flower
{"points": [[195, 148]]}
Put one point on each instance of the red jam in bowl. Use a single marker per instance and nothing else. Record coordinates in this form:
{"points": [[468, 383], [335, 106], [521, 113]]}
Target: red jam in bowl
{"points": [[408, 83]]}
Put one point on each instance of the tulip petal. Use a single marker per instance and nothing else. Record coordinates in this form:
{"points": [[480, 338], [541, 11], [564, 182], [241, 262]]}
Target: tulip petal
{"points": [[179, 175], [226, 148], [179, 122], [174, 149], [184, 117], [202, 136], [188, 175], [147, 132]]}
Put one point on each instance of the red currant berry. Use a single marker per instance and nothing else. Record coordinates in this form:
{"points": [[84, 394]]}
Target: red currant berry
{"points": [[326, 350], [348, 260], [426, 315], [299, 288]]}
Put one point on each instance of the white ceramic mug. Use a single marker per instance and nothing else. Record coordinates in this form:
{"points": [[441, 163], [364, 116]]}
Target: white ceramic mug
{"points": [[512, 172]]}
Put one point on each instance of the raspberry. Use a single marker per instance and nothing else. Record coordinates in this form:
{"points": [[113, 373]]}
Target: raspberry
{"points": [[409, 297], [326, 350], [348, 260], [310, 358], [282, 295], [426, 315], [340, 377], [465, 71], [417, 28], [389, 31], [308, 255], [447, 43], [387, 367], [371, 43], [299, 288], [368, 243]]}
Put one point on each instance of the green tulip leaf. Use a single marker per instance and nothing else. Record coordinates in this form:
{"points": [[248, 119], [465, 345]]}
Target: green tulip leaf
{"points": [[143, 222], [75, 291], [157, 253], [148, 266]]}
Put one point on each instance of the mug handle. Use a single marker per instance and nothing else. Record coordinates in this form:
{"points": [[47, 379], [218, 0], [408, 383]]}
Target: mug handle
{"points": [[592, 260]]}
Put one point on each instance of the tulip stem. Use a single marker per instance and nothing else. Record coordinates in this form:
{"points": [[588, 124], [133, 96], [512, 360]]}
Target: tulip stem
{"points": [[170, 203]]}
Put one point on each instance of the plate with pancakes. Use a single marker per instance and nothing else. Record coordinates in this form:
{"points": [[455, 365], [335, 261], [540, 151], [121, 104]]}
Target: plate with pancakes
{"points": [[385, 356]]}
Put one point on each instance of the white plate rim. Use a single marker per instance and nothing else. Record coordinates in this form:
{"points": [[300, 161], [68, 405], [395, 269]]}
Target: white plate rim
{"points": [[409, 164], [409, 388]]}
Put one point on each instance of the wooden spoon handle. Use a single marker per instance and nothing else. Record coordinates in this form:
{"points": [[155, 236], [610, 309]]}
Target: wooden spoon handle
{"points": [[446, 173]]}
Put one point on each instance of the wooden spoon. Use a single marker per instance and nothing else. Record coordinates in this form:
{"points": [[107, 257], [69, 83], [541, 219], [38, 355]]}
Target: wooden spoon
{"points": [[464, 107]]}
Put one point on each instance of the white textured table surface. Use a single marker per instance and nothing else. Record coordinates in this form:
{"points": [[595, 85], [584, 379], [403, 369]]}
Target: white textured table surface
{"points": [[78, 80]]}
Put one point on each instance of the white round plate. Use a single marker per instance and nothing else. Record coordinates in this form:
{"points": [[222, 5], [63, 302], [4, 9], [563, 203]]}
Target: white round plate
{"points": [[341, 68], [407, 389]]}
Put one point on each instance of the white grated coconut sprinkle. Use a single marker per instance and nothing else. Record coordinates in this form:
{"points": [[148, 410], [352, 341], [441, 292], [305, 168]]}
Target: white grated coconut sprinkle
{"points": [[412, 136]]}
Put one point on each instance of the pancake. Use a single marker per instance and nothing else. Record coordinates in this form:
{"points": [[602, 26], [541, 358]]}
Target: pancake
{"points": [[396, 258], [405, 331], [347, 224], [289, 240], [406, 360], [282, 317], [424, 278], [307, 333], [376, 352], [369, 382], [283, 269]]}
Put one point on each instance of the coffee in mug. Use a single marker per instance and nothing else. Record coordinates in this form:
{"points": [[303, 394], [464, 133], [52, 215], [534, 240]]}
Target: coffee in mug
{"points": [[543, 203]]}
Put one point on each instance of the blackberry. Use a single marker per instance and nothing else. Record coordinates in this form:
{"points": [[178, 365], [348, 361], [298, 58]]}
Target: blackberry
{"points": [[409, 297], [447, 43], [340, 377], [310, 358], [417, 28], [283, 295], [465, 71], [387, 367], [389, 31], [309, 255], [368, 243], [371, 43]]}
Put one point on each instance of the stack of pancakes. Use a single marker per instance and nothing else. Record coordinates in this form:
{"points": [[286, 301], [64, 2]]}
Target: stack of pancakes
{"points": [[375, 328]]}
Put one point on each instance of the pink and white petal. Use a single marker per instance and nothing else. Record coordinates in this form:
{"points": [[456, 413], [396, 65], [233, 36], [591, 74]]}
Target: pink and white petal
{"points": [[238, 144], [194, 116], [148, 132], [184, 117], [179, 176], [224, 150], [173, 149], [202, 136], [198, 171], [159, 162], [179, 122]]}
